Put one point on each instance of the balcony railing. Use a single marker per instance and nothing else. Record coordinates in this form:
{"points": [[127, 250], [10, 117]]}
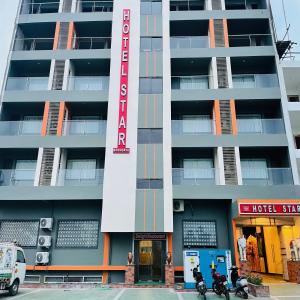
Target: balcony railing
{"points": [[242, 4], [40, 8], [82, 177], [20, 177], [260, 126], [85, 127], [187, 5], [184, 42], [8, 128], [192, 126], [27, 83], [250, 40], [197, 82], [88, 83], [95, 6], [92, 43], [31, 44], [269, 176], [183, 176], [255, 81]]}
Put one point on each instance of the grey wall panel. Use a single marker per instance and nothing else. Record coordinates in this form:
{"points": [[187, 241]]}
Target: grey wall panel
{"points": [[120, 244], [151, 64], [151, 25], [201, 210], [150, 111]]}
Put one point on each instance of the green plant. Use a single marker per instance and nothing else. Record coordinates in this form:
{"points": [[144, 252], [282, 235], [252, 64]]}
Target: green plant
{"points": [[255, 279]]}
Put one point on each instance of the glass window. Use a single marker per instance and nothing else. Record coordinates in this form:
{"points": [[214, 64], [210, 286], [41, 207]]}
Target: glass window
{"points": [[20, 257], [146, 44], [254, 168], [146, 184], [151, 44], [198, 168], [150, 136], [31, 125], [151, 7], [151, 85], [24, 171], [81, 169], [250, 123], [196, 123]]}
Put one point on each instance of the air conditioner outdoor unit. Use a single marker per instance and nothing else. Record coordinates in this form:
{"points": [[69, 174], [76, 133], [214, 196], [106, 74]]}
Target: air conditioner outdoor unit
{"points": [[46, 223], [44, 241], [178, 206], [42, 258]]}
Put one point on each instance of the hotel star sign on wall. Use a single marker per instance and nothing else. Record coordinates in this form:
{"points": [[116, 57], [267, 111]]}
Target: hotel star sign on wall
{"points": [[123, 99]]}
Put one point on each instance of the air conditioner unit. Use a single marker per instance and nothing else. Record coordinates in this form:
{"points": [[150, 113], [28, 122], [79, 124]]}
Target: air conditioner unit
{"points": [[44, 241], [42, 258], [178, 206], [46, 223]]}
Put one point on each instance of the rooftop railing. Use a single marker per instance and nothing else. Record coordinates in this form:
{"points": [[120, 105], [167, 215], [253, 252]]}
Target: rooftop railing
{"points": [[27, 83], [260, 126], [81, 177], [255, 80], [183, 176], [19, 177], [85, 127], [92, 43], [243, 4], [11, 128], [195, 82], [183, 5], [183, 42], [250, 40], [40, 8], [95, 6], [88, 83]]}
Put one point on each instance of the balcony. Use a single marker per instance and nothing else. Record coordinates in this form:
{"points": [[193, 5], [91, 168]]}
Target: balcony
{"points": [[184, 176], [188, 42], [80, 177], [193, 126], [85, 127], [267, 176], [32, 44], [182, 5], [88, 83], [17, 177], [255, 81], [94, 6], [14, 128], [196, 82], [245, 4], [260, 126], [250, 40], [89, 43], [27, 83], [43, 7]]}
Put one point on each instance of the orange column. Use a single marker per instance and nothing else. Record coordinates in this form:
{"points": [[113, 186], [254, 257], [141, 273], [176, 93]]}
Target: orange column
{"points": [[233, 117], [70, 35], [212, 33], [61, 115], [170, 242], [106, 242], [56, 36], [226, 39], [236, 252], [45, 118], [217, 115]]}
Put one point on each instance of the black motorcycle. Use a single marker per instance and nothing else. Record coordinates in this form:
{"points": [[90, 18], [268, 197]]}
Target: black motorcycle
{"points": [[219, 285], [240, 283], [200, 284]]}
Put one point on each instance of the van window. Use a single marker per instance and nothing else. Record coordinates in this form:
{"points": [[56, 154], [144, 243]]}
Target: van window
{"points": [[20, 257]]}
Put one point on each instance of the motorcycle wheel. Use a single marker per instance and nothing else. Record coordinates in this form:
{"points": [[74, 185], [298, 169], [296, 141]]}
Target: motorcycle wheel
{"points": [[245, 295], [204, 297], [227, 295], [215, 290]]}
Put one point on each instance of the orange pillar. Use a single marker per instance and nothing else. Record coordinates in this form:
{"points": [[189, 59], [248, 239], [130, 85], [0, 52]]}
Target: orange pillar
{"points": [[233, 117], [45, 118], [106, 243], [217, 115], [56, 36], [226, 39], [212, 33], [70, 35], [170, 242]]}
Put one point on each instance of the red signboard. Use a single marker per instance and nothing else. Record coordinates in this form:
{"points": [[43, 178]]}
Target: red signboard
{"points": [[123, 99], [266, 209]]}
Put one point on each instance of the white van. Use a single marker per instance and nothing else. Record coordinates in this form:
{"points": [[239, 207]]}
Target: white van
{"points": [[12, 267]]}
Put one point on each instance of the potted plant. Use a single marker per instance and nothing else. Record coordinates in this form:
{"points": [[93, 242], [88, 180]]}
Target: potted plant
{"points": [[256, 287]]}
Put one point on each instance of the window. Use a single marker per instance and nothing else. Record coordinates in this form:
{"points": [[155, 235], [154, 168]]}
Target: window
{"points": [[199, 234], [24, 232], [151, 44], [77, 234], [196, 124], [81, 169], [293, 98], [24, 171], [85, 125], [146, 184], [151, 7], [250, 123], [20, 257], [198, 169], [297, 141], [31, 125], [150, 136], [151, 85], [254, 168]]}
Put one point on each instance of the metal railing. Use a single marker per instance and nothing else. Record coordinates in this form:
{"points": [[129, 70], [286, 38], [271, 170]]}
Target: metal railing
{"points": [[30, 44], [94, 6], [82, 177], [92, 43], [243, 4], [40, 8], [190, 82], [183, 176], [88, 83], [183, 42], [260, 126], [255, 80], [250, 40], [27, 83], [267, 176], [85, 127], [187, 5], [20, 177], [192, 127], [8, 128]]}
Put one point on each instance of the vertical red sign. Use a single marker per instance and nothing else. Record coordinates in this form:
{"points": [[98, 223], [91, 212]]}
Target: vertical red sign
{"points": [[123, 99]]}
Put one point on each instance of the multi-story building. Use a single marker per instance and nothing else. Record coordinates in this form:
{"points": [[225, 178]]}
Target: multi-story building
{"points": [[147, 127]]}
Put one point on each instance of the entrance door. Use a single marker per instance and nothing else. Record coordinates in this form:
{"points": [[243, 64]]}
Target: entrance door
{"points": [[273, 250], [149, 260]]}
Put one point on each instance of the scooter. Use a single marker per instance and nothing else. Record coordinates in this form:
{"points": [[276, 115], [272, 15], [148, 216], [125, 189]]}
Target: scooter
{"points": [[240, 283], [200, 284], [219, 285]]}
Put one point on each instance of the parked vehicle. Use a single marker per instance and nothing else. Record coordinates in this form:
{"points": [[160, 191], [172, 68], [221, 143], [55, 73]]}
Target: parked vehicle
{"points": [[12, 267], [200, 284], [240, 283], [219, 285]]}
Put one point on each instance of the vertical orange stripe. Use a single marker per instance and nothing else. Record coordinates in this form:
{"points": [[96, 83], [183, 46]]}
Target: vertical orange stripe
{"points": [[145, 161], [61, 115], [45, 118], [212, 34], [236, 253], [56, 36], [146, 112], [147, 25], [154, 25], [154, 63], [106, 242], [226, 40], [154, 110], [233, 117], [154, 161], [170, 242], [147, 64], [154, 210], [70, 35], [217, 114]]}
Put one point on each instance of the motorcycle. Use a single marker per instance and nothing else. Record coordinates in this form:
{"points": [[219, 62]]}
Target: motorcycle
{"points": [[219, 285], [240, 283], [200, 284]]}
